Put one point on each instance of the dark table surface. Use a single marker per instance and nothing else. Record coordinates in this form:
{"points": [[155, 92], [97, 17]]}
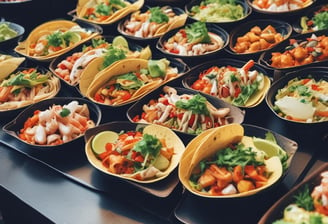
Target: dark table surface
{"points": [[60, 188]]}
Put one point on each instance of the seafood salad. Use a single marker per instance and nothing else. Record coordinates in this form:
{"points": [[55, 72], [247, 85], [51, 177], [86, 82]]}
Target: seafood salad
{"points": [[238, 86], [309, 204], [27, 86], [57, 125], [303, 100], [193, 40], [281, 5], [186, 112], [217, 11], [301, 52], [134, 153]]}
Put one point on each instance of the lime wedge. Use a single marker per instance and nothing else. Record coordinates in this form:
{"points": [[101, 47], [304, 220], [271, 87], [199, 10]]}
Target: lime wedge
{"points": [[99, 141], [145, 53], [269, 147], [75, 37], [120, 41]]}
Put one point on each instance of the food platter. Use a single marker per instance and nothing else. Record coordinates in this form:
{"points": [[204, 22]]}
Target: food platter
{"points": [[257, 119]]}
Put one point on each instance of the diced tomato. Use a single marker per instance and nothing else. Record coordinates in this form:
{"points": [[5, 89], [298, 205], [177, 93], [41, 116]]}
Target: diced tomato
{"points": [[136, 118], [99, 98], [237, 91], [180, 116], [139, 158], [109, 146], [315, 87], [174, 51], [191, 120], [309, 23], [304, 81], [208, 122], [225, 92]]}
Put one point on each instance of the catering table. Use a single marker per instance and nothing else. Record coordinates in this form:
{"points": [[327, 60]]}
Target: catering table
{"points": [[62, 187]]}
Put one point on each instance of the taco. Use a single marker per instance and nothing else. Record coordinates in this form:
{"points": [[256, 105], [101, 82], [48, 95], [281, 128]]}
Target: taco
{"points": [[8, 64], [105, 11], [128, 80], [53, 38], [128, 158], [154, 22], [27, 86], [72, 68], [223, 163], [242, 87]]}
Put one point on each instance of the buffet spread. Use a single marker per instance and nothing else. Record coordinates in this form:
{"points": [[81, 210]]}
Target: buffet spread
{"points": [[205, 106]]}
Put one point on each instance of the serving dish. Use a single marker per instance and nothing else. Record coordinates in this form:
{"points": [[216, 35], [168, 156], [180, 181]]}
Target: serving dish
{"points": [[90, 57], [25, 86], [287, 8], [200, 78], [11, 34], [306, 187], [137, 25], [289, 98], [36, 46], [225, 13], [221, 112], [87, 11], [111, 161], [296, 52], [67, 110], [13, 1], [201, 51], [204, 172], [252, 38], [311, 21]]}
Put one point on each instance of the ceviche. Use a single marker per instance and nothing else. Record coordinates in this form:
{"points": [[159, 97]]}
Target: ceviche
{"points": [[144, 155], [71, 68], [193, 40], [238, 86], [217, 11], [257, 39], [57, 125], [309, 205], [153, 22], [318, 20], [25, 87], [303, 100], [186, 112], [301, 52], [281, 5], [127, 86]]}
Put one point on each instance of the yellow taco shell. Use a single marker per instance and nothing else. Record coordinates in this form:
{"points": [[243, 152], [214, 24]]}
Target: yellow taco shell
{"points": [[9, 65], [207, 144], [121, 67], [83, 6], [259, 95]]}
